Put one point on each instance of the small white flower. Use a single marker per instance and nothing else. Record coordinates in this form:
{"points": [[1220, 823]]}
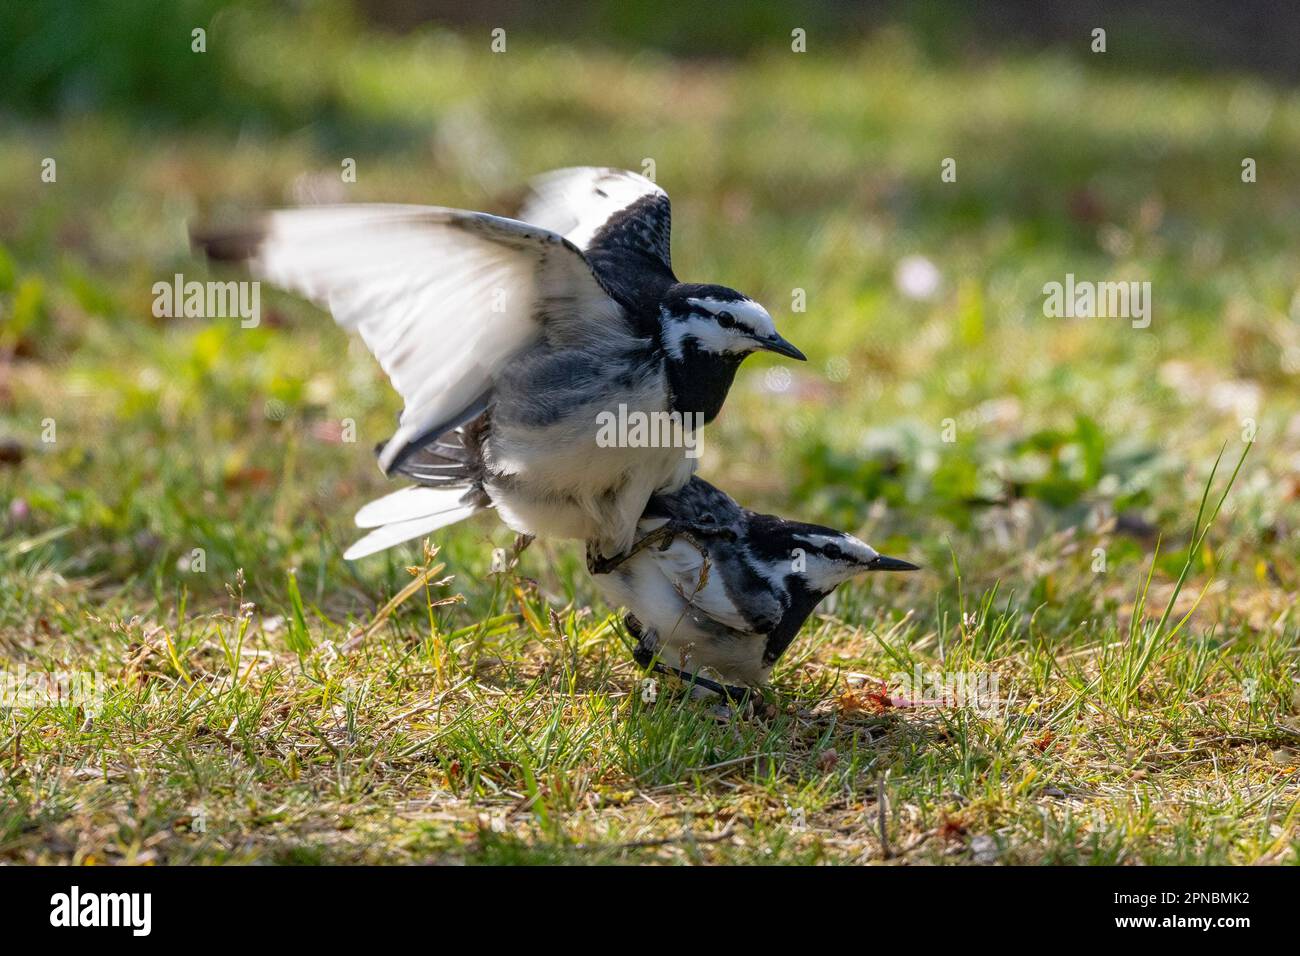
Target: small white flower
{"points": [[778, 379], [917, 278]]}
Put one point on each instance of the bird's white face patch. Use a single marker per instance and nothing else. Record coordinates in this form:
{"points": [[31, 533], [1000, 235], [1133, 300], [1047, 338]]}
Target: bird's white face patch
{"points": [[854, 548], [749, 321], [824, 573], [751, 318]]}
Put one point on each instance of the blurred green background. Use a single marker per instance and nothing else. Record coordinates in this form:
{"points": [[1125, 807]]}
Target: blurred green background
{"points": [[816, 171]]}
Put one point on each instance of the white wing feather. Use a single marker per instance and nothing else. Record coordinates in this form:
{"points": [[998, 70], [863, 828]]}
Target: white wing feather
{"points": [[418, 501], [682, 565], [443, 298], [391, 534], [576, 202]]}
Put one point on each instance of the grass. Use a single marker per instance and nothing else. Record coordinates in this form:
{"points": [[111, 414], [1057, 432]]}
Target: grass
{"points": [[263, 701]]}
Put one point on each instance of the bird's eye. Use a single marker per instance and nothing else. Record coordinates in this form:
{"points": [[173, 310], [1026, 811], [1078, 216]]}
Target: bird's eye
{"points": [[726, 320], [833, 552]]}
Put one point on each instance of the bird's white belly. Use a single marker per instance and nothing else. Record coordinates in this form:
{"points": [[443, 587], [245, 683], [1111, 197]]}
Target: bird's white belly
{"points": [[560, 482], [673, 627]]}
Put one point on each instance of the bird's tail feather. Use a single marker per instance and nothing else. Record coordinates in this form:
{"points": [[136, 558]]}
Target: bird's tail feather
{"points": [[407, 503], [409, 513]]}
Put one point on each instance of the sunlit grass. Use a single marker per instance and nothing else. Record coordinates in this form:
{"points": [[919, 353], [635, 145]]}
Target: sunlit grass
{"points": [[179, 531]]}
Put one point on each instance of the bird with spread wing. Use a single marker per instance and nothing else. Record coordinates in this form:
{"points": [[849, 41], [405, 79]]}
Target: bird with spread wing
{"points": [[507, 338]]}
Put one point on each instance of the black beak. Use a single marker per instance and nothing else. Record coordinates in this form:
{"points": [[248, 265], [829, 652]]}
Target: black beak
{"points": [[781, 347], [882, 563]]}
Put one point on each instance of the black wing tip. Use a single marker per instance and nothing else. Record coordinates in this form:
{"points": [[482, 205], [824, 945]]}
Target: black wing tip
{"points": [[228, 244]]}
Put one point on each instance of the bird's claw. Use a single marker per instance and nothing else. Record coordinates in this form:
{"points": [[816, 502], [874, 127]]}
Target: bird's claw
{"points": [[661, 538]]}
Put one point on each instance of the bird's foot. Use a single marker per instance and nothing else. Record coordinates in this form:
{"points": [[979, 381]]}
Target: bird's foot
{"points": [[661, 537], [597, 563], [694, 533]]}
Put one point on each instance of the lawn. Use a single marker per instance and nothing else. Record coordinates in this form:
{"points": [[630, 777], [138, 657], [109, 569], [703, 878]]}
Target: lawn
{"points": [[177, 492]]}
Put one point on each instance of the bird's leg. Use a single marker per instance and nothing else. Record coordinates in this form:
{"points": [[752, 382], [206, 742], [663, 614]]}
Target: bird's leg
{"points": [[687, 532], [663, 536], [648, 660], [599, 564], [737, 695]]}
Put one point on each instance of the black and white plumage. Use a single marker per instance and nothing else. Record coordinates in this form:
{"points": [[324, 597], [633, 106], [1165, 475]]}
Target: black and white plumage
{"points": [[507, 337], [765, 576]]}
